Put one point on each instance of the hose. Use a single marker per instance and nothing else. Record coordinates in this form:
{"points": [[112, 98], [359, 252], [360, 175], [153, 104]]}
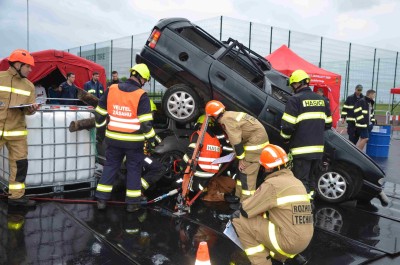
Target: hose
{"points": [[157, 199]]}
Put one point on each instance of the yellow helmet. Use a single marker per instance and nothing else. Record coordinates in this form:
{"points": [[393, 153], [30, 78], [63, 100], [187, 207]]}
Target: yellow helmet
{"points": [[298, 76], [142, 70], [153, 106], [201, 119]]}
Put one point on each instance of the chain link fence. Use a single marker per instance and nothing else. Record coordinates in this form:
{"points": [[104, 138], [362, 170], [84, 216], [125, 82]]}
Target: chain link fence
{"points": [[357, 64]]}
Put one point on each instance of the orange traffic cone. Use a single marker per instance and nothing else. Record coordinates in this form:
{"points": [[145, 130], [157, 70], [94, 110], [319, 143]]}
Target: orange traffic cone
{"points": [[202, 257]]}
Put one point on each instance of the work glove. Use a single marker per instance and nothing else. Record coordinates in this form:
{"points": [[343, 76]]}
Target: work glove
{"points": [[149, 145], [100, 136], [236, 214]]}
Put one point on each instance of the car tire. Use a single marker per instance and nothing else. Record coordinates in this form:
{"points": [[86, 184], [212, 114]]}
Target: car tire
{"points": [[168, 159], [181, 103], [335, 185]]}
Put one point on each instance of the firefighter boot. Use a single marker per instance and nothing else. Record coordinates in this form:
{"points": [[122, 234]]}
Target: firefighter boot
{"points": [[23, 201], [300, 260]]}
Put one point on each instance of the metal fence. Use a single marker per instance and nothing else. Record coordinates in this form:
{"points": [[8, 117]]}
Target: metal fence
{"points": [[357, 64]]}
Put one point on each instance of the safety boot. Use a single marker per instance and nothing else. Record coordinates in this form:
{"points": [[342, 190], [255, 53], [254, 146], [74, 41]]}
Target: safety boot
{"points": [[299, 260], [101, 204], [23, 201]]}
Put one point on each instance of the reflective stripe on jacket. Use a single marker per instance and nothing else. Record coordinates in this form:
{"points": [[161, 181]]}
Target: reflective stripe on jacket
{"points": [[304, 121]]}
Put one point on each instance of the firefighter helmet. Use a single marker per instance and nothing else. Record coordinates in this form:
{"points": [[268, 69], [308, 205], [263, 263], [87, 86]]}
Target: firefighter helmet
{"points": [[298, 76], [142, 70], [22, 56], [214, 108], [273, 156]]}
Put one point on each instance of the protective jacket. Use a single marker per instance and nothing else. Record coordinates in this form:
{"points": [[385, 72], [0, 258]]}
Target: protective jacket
{"points": [[364, 112], [94, 88], [130, 118], [277, 220], [210, 151], [245, 133], [305, 118], [14, 91], [348, 108]]}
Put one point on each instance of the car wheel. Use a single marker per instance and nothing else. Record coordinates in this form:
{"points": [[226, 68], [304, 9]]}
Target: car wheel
{"points": [[181, 103], [335, 185], [329, 219], [168, 160]]}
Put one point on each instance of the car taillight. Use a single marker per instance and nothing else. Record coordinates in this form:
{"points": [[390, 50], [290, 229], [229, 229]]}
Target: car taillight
{"points": [[155, 35]]}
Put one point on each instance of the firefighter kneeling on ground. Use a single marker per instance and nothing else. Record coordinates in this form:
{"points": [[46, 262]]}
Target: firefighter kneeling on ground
{"points": [[130, 124], [277, 221], [205, 174]]}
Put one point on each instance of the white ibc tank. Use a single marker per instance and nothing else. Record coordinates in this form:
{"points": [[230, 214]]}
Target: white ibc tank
{"points": [[55, 155]]}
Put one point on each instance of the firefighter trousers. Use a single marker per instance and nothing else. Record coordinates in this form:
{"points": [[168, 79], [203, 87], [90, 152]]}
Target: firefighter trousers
{"points": [[18, 163], [352, 132], [153, 170], [247, 180], [254, 236], [303, 169], [114, 158]]}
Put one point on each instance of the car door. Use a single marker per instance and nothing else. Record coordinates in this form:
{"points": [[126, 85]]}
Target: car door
{"points": [[237, 84]]}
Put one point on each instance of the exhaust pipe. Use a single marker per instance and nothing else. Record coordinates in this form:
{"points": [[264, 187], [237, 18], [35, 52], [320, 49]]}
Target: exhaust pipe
{"points": [[383, 199]]}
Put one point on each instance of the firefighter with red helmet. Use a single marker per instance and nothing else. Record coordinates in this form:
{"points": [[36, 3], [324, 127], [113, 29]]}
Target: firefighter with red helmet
{"points": [[277, 221], [204, 176], [248, 137], [130, 124], [16, 90]]}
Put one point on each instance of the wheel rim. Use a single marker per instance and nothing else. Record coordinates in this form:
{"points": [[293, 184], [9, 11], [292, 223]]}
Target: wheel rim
{"points": [[181, 105], [329, 219], [332, 185]]}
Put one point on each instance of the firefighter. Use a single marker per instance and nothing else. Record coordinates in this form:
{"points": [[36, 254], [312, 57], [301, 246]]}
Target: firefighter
{"points": [[205, 171], [364, 115], [348, 114], [15, 90], [129, 125], [305, 118], [277, 221], [248, 137]]}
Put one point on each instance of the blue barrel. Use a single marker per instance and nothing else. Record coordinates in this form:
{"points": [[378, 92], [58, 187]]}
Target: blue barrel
{"points": [[379, 141]]}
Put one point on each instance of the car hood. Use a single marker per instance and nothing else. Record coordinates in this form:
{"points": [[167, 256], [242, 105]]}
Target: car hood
{"points": [[346, 151]]}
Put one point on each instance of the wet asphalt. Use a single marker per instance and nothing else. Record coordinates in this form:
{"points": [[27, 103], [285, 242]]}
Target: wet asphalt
{"points": [[65, 233]]}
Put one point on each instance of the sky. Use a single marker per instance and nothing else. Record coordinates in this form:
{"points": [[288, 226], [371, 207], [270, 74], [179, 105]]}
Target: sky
{"points": [[64, 24]]}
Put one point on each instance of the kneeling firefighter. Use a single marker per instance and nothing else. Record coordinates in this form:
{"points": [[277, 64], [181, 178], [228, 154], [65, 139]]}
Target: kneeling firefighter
{"points": [[206, 174], [277, 221]]}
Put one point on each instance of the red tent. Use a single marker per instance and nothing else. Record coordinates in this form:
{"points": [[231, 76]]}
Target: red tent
{"points": [[394, 91], [52, 66], [286, 61]]}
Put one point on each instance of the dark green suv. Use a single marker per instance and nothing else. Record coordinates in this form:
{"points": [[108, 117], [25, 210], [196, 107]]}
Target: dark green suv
{"points": [[195, 68]]}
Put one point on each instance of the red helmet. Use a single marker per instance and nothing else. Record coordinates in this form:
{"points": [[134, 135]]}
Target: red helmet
{"points": [[214, 108], [273, 156], [22, 56]]}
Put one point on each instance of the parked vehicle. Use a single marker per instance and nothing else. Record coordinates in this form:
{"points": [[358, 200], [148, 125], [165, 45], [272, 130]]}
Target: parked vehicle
{"points": [[195, 67]]}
